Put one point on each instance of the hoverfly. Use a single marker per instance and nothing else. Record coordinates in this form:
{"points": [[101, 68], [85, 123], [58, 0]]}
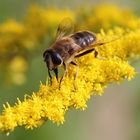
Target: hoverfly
{"points": [[67, 47]]}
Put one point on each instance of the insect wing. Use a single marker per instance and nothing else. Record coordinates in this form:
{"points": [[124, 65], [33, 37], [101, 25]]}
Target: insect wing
{"points": [[65, 27]]}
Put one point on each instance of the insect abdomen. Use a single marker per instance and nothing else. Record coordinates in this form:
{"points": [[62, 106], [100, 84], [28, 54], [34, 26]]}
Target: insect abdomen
{"points": [[84, 38]]}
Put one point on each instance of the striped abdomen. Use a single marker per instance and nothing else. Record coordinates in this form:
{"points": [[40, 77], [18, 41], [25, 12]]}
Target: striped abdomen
{"points": [[83, 38]]}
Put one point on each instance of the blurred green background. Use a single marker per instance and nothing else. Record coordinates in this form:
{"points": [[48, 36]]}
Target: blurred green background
{"points": [[113, 116]]}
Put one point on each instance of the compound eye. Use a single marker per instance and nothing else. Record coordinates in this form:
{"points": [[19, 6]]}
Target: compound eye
{"points": [[56, 58]]}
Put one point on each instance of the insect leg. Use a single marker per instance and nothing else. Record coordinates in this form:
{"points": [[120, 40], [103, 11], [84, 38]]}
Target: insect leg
{"points": [[95, 53], [65, 70], [56, 73], [76, 73], [50, 77], [86, 52]]}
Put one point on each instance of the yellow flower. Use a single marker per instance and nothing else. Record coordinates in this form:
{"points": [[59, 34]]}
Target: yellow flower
{"points": [[39, 21], [107, 16], [16, 70], [11, 27], [10, 32], [126, 39], [50, 103]]}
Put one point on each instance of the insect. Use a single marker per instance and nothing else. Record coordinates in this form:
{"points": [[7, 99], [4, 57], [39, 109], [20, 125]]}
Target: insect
{"points": [[67, 47]]}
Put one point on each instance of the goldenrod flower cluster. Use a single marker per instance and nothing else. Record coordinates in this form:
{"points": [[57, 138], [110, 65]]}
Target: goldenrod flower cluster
{"points": [[107, 17], [50, 103]]}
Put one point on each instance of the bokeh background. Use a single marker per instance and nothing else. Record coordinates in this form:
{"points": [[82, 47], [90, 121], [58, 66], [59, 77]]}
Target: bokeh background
{"points": [[113, 116]]}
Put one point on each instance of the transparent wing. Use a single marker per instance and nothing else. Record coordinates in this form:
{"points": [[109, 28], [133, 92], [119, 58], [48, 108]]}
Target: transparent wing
{"points": [[65, 27]]}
